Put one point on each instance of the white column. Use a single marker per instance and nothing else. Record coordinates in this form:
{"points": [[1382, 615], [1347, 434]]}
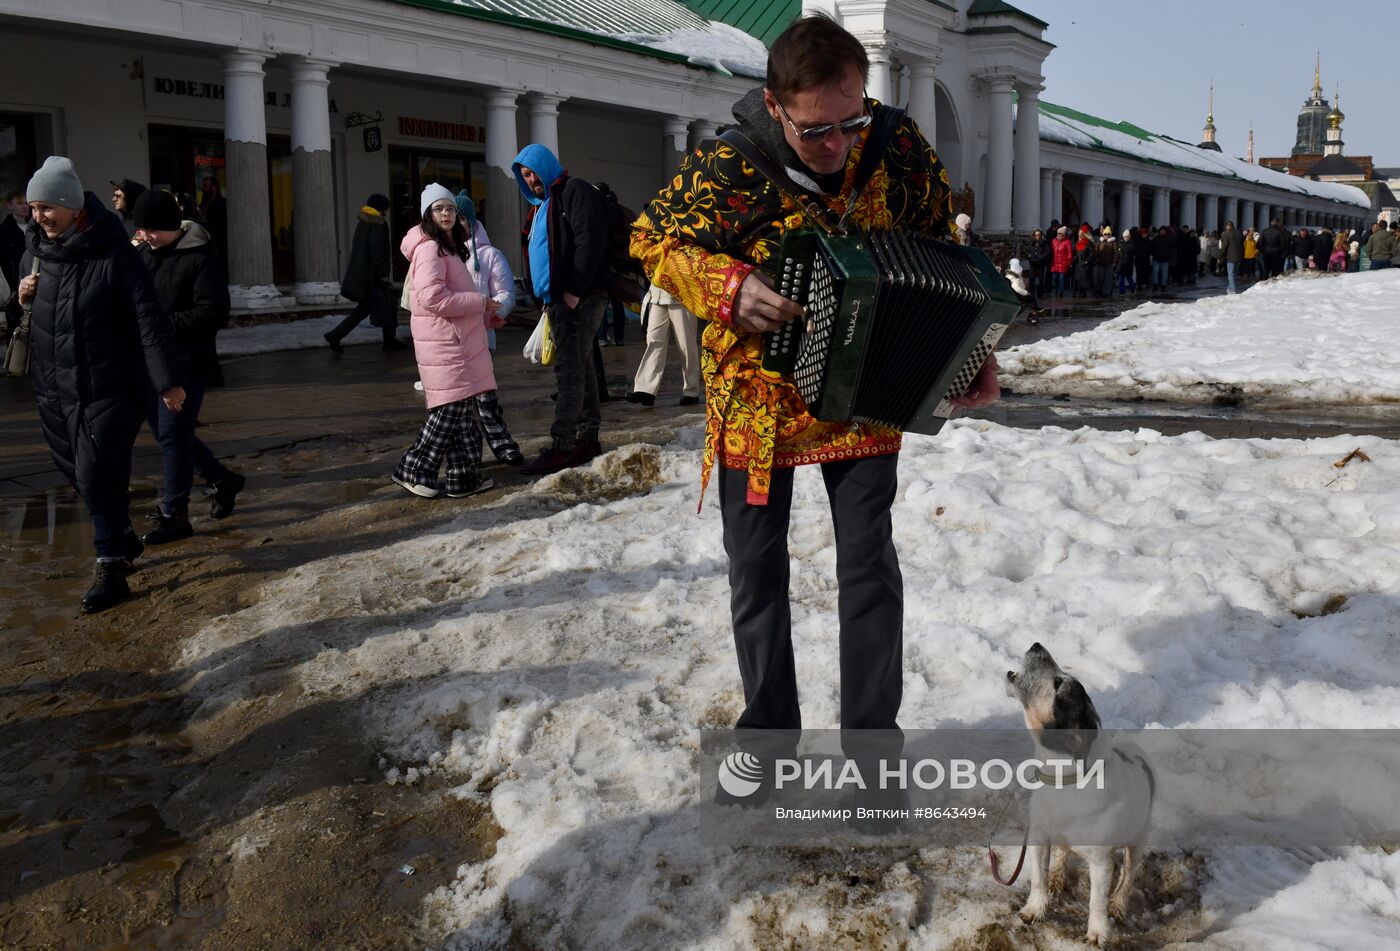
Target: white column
{"points": [[879, 86], [1246, 219], [1161, 207], [997, 201], [700, 130], [1093, 201], [1057, 196], [503, 198], [245, 168], [923, 98], [313, 187], [1231, 212], [544, 122], [674, 131], [1210, 214], [1047, 196], [1128, 207], [1026, 193], [1188, 210]]}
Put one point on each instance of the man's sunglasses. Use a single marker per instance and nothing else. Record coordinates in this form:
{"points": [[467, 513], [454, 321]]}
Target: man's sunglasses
{"points": [[818, 133]]}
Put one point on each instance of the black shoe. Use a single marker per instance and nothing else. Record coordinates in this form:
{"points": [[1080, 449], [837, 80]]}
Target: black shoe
{"points": [[550, 461], [395, 345], [586, 450], [688, 401], [109, 587], [335, 343], [133, 545], [477, 487], [513, 457], [644, 399], [225, 492], [170, 528]]}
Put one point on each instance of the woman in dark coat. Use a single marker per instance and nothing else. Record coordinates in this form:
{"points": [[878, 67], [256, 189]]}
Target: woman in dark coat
{"points": [[98, 342], [183, 262], [1039, 258], [366, 278]]}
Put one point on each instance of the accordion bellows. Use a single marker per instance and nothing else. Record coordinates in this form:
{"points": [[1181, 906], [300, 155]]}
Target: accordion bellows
{"points": [[897, 325]]}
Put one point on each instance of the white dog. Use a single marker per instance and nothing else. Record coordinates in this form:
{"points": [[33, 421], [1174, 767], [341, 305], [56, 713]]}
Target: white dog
{"points": [[1075, 810]]}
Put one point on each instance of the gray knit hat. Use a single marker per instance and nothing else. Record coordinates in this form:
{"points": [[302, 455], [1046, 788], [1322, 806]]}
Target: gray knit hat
{"points": [[56, 183]]}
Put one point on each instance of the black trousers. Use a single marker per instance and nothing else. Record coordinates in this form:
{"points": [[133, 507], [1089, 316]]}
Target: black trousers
{"points": [[870, 596], [375, 305]]}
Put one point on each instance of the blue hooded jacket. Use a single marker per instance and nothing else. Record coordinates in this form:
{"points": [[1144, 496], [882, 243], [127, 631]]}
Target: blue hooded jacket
{"points": [[540, 160]]}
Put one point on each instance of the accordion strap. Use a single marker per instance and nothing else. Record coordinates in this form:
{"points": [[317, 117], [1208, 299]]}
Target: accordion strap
{"points": [[882, 129]]}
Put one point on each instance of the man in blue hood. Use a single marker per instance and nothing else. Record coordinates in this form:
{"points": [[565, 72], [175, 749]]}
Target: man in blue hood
{"points": [[567, 265]]}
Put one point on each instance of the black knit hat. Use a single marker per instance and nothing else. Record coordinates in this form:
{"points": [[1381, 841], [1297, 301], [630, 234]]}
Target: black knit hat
{"points": [[156, 210]]}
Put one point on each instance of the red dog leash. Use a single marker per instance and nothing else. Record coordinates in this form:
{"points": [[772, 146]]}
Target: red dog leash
{"points": [[992, 855]]}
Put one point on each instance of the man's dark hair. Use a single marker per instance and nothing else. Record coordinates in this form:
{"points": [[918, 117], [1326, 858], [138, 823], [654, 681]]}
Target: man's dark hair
{"points": [[12, 196], [378, 202], [453, 242], [813, 51]]}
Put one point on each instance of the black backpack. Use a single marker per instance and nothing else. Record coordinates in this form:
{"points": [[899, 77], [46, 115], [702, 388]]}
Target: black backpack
{"points": [[626, 279]]}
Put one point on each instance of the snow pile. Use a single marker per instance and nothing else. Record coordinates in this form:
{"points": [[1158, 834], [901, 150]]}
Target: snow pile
{"points": [[718, 46], [1300, 339], [558, 662]]}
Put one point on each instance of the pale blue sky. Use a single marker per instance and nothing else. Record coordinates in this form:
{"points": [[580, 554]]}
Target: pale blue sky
{"points": [[1151, 64]]}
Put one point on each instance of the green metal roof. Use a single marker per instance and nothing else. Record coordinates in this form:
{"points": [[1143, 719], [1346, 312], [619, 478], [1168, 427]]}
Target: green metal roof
{"points": [[992, 7], [1127, 128], [761, 19]]}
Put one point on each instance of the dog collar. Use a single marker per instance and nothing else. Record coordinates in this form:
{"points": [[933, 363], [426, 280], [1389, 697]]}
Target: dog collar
{"points": [[1059, 781]]}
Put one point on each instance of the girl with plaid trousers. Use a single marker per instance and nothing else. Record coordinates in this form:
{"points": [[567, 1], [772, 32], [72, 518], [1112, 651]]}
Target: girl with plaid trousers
{"points": [[449, 318]]}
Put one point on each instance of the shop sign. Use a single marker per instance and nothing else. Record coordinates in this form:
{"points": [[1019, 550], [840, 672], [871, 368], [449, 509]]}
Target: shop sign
{"points": [[432, 129]]}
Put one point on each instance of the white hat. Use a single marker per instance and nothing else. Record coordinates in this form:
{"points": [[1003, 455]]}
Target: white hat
{"points": [[434, 192], [963, 220], [1015, 265]]}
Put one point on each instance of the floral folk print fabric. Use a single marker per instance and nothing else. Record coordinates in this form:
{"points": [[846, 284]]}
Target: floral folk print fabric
{"points": [[700, 238]]}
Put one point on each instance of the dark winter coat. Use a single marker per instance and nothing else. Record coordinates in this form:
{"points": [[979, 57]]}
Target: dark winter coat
{"points": [[1107, 253], [1163, 247], [1187, 247], [1321, 249], [190, 283], [1273, 240], [1380, 246], [369, 257], [1040, 254], [11, 250], [98, 342], [1127, 254], [1232, 246], [578, 239]]}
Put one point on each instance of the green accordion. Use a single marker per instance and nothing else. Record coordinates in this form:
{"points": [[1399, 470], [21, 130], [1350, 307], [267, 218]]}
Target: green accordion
{"points": [[897, 325]]}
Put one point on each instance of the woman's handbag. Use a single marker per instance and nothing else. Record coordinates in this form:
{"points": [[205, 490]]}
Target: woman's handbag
{"points": [[17, 353]]}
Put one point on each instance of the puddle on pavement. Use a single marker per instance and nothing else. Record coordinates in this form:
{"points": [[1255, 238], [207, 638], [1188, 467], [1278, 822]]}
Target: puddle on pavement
{"points": [[47, 524]]}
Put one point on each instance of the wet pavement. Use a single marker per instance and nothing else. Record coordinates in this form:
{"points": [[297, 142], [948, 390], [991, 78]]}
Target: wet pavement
{"points": [[95, 752]]}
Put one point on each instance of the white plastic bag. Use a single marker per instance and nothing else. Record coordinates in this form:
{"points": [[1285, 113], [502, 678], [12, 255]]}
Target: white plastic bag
{"points": [[534, 347]]}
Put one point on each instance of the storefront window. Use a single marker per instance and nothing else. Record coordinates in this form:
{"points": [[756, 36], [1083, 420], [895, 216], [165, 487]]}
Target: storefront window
{"points": [[18, 154]]}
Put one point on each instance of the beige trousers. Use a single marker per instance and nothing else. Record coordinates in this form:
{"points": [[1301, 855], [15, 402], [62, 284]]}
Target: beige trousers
{"points": [[662, 320]]}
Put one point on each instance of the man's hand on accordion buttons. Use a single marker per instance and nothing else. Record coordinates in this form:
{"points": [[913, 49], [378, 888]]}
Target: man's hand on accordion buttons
{"points": [[984, 388], [758, 308]]}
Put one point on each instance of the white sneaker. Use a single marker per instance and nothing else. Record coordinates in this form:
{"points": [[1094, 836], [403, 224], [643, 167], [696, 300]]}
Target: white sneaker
{"points": [[422, 491]]}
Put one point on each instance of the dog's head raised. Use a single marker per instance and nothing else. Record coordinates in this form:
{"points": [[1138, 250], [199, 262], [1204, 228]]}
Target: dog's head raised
{"points": [[1057, 709]]}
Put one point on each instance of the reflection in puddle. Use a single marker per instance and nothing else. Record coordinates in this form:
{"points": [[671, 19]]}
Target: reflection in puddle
{"points": [[55, 520]]}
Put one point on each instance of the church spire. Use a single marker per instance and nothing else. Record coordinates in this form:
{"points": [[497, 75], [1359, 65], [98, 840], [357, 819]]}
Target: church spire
{"points": [[1249, 154], [1208, 133], [1317, 77]]}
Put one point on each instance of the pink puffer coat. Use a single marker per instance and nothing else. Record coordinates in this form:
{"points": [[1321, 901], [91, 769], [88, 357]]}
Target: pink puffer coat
{"points": [[448, 321]]}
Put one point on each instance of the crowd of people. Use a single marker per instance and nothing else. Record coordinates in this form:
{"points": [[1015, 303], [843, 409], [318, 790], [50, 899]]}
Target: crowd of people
{"points": [[126, 302], [1086, 262]]}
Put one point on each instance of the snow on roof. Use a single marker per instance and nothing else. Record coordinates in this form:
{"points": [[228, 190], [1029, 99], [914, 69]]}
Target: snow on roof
{"points": [[1081, 130], [665, 26]]}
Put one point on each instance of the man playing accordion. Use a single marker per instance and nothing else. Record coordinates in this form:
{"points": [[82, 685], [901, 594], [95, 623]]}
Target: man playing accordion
{"points": [[703, 240]]}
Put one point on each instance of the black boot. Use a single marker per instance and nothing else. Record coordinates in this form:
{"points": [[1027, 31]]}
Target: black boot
{"points": [[225, 492], [109, 587], [172, 527]]}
